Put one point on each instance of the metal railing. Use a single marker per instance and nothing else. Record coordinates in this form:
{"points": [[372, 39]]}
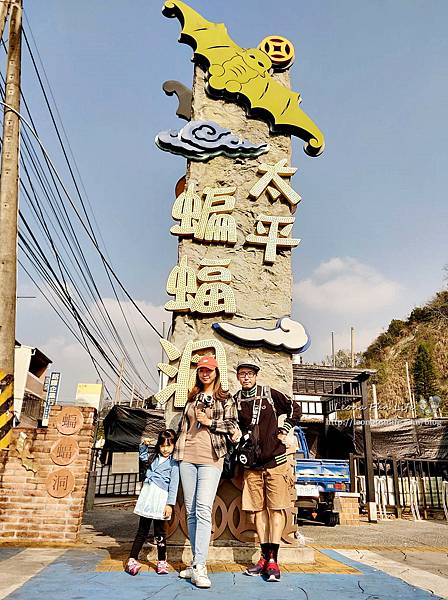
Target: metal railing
{"points": [[110, 484], [401, 485]]}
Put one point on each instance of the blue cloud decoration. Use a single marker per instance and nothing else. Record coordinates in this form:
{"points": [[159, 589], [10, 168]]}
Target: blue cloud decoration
{"points": [[202, 140]]}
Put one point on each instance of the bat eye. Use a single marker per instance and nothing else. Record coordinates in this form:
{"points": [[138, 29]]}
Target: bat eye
{"points": [[252, 55], [261, 64]]}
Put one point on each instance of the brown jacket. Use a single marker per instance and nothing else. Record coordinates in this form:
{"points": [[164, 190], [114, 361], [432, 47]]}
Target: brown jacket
{"points": [[273, 451]]}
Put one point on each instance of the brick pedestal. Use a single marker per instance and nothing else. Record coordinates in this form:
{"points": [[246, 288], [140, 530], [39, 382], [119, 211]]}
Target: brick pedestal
{"points": [[347, 504], [43, 478]]}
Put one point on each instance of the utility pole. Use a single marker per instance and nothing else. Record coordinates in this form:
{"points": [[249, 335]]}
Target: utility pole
{"points": [[117, 399], [162, 378], [9, 193], [333, 356], [352, 347], [375, 402], [4, 7], [411, 399]]}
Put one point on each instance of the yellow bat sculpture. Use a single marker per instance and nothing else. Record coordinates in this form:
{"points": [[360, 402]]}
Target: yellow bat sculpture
{"points": [[242, 75]]}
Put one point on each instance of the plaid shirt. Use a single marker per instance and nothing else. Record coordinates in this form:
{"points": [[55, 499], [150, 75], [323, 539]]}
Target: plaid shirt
{"points": [[224, 422]]}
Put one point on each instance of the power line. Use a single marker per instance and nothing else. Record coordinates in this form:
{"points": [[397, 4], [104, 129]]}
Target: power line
{"points": [[39, 216], [72, 174], [38, 213]]}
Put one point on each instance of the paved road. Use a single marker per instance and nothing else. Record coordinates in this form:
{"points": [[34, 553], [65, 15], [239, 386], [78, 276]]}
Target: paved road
{"points": [[76, 574], [391, 560]]}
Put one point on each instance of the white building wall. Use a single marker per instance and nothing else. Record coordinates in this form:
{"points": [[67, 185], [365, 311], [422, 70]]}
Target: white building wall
{"points": [[22, 360]]}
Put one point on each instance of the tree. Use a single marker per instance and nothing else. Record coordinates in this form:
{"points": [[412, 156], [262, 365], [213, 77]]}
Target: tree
{"points": [[425, 377], [343, 359]]}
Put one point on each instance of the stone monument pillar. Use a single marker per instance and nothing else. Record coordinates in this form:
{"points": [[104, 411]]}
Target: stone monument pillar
{"points": [[262, 292], [233, 216]]}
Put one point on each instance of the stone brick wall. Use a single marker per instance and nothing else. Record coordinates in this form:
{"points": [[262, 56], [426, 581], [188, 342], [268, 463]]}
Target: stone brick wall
{"points": [[347, 504], [34, 470]]}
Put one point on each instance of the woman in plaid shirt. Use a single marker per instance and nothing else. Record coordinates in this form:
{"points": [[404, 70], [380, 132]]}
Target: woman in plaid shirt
{"points": [[209, 416]]}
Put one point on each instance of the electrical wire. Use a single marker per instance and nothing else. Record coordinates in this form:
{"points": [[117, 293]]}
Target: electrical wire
{"points": [[43, 224], [41, 215], [76, 184]]}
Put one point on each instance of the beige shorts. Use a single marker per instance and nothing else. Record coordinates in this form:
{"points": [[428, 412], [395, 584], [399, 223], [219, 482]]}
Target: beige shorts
{"points": [[267, 488]]}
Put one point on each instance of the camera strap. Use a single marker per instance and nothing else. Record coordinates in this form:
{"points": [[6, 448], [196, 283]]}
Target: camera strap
{"points": [[256, 410]]}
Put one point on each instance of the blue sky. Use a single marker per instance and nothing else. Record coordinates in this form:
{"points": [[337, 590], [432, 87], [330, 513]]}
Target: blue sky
{"points": [[373, 216]]}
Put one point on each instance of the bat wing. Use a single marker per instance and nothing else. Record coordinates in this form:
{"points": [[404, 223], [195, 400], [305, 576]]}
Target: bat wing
{"points": [[210, 41], [262, 94]]}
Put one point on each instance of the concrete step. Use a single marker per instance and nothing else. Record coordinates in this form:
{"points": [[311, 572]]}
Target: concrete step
{"points": [[236, 552]]}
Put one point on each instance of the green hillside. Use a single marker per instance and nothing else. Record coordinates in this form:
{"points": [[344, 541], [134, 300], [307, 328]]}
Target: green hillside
{"points": [[424, 333]]}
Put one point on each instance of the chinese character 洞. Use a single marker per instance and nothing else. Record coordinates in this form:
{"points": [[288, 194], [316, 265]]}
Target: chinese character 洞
{"points": [[184, 375], [60, 482]]}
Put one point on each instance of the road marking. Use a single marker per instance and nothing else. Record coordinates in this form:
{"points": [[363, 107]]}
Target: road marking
{"points": [[20, 568], [417, 577]]}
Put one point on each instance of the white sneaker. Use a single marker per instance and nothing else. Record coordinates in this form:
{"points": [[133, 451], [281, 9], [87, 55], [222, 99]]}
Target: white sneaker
{"points": [[186, 573], [199, 577]]}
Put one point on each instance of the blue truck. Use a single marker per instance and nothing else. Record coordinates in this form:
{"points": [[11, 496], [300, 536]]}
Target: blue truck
{"points": [[317, 481]]}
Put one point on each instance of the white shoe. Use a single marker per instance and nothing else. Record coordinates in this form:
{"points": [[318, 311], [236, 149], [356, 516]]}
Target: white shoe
{"points": [[199, 577], [186, 573]]}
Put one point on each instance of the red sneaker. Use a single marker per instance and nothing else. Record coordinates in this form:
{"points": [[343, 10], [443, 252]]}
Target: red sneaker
{"points": [[257, 569], [272, 570]]}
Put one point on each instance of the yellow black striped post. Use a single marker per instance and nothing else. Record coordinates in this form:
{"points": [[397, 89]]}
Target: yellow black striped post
{"points": [[6, 408]]}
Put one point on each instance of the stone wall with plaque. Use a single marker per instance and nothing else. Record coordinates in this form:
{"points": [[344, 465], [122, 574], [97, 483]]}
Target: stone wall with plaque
{"points": [[43, 478]]}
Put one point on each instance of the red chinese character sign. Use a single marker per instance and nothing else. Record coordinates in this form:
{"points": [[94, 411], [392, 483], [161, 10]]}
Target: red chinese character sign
{"points": [[69, 420], [60, 483], [64, 451]]}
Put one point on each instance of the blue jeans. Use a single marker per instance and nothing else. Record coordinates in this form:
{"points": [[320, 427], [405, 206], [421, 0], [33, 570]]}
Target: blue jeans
{"points": [[199, 484]]}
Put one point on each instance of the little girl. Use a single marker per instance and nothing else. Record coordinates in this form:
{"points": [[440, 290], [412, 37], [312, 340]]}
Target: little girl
{"points": [[157, 498]]}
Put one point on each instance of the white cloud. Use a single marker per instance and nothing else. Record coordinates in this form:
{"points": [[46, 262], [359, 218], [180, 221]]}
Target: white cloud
{"points": [[345, 285], [341, 293]]}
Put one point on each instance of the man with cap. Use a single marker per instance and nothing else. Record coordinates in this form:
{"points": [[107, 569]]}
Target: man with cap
{"points": [[266, 487]]}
